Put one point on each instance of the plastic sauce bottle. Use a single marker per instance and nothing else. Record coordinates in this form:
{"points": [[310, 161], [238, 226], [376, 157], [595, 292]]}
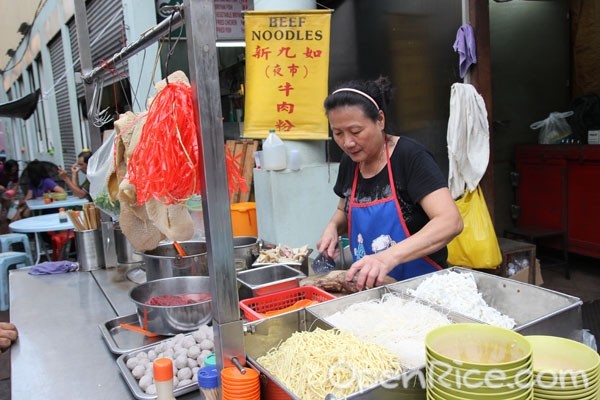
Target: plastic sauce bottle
{"points": [[274, 154], [163, 378], [12, 211], [62, 216]]}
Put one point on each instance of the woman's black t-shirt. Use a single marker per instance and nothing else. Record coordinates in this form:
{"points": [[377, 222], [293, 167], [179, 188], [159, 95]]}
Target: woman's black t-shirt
{"points": [[416, 174]]}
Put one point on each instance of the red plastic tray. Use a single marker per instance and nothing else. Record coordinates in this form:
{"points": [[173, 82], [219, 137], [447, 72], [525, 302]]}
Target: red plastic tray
{"points": [[254, 306]]}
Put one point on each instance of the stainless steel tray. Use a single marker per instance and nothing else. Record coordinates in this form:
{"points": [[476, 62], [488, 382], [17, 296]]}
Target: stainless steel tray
{"points": [[536, 310], [268, 279], [301, 266], [120, 340], [132, 382]]}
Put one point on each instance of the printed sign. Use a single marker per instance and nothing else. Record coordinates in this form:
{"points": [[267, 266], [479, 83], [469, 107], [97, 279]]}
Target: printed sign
{"points": [[287, 68]]}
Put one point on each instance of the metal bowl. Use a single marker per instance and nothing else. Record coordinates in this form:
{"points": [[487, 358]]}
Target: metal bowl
{"points": [[165, 262], [171, 320], [245, 251]]}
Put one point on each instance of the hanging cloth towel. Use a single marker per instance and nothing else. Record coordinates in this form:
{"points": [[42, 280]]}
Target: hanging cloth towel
{"points": [[468, 139], [464, 45]]}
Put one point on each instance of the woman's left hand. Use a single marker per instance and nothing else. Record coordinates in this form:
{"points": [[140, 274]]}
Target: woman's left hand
{"points": [[371, 271]]}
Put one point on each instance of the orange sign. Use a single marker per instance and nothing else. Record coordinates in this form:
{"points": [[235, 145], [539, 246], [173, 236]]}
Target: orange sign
{"points": [[287, 68]]}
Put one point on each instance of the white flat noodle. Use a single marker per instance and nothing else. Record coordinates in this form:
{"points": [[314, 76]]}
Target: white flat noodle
{"points": [[458, 292], [397, 324]]}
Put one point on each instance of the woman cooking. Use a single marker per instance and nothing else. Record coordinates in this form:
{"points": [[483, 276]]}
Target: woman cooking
{"points": [[394, 199]]}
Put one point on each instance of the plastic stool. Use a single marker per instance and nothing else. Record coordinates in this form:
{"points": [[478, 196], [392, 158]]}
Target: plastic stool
{"points": [[7, 260], [58, 240], [7, 240]]}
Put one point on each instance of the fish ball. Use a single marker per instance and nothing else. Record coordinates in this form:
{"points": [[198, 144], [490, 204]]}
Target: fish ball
{"points": [[175, 381], [139, 371], [207, 344], [188, 342], [145, 381], [181, 361], [184, 373], [132, 362], [178, 338], [198, 335], [193, 352], [142, 354], [144, 361], [151, 389], [184, 382], [151, 355], [192, 363]]}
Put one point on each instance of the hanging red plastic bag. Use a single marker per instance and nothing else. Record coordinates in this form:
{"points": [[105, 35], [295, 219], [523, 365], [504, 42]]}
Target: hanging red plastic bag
{"points": [[477, 245], [164, 164]]}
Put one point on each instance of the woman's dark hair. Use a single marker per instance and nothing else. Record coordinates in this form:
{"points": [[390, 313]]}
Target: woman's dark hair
{"points": [[10, 164], [380, 90], [86, 156], [36, 173]]}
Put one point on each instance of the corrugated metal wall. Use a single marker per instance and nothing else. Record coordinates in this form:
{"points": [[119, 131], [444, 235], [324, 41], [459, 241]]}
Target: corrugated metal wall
{"points": [[57, 57]]}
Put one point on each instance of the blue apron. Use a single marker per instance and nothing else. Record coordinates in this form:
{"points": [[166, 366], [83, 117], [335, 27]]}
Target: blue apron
{"points": [[377, 225]]}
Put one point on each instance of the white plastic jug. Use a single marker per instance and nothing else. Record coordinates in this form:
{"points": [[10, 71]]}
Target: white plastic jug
{"points": [[274, 154]]}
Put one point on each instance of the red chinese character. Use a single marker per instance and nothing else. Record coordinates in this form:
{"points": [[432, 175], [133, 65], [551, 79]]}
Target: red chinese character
{"points": [[286, 52], [310, 53], [293, 69], [262, 52], [289, 107], [284, 126], [285, 88], [277, 70]]}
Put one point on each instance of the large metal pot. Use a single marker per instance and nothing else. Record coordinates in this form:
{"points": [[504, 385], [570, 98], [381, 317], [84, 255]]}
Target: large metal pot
{"points": [[245, 251], [171, 320], [165, 262], [126, 254]]}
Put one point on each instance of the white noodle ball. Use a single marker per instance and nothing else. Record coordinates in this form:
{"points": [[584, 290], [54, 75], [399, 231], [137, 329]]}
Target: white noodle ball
{"points": [[193, 352], [142, 354], [207, 344], [145, 381], [199, 335], [192, 363], [151, 389], [185, 382], [181, 361], [132, 362], [152, 355], [184, 373], [138, 371]]}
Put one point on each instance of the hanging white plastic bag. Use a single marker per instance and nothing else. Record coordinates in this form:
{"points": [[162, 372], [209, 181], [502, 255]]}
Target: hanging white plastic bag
{"points": [[99, 166], [554, 128]]}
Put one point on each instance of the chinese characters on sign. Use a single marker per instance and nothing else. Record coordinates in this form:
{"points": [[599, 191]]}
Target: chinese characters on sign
{"points": [[287, 66]]}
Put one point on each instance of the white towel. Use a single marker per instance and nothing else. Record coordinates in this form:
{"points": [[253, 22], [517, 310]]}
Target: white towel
{"points": [[468, 139]]}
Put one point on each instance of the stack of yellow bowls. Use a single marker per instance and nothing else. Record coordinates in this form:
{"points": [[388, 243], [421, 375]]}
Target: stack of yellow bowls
{"points": [[478, 362], [564, 369]]}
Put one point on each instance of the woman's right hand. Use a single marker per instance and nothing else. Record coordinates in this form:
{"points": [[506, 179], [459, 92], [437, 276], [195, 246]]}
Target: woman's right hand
{"points": [[328, 243]]}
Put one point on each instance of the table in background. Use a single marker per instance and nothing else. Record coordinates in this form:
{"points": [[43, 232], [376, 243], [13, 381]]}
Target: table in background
{"points": [[71, 201], [37, 225]]}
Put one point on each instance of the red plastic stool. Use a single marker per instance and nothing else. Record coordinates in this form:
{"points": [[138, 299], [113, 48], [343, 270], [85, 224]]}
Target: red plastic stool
{"points": [[58, 240]]}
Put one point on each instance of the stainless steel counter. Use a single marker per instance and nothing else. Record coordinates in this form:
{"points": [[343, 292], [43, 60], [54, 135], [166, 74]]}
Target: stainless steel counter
{"points": [[60, 353]]}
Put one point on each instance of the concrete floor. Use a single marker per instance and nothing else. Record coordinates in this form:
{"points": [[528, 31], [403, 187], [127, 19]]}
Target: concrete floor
{"points": [[584, 283]]}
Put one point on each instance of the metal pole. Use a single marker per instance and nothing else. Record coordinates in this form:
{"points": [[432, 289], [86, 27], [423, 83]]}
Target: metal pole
{"points": [[85, 60], [204, 77], [148, 38], [466, 20]]}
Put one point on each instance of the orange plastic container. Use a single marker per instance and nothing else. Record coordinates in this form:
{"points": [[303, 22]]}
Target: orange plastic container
{"points": [[255, 306], [243, 219]]}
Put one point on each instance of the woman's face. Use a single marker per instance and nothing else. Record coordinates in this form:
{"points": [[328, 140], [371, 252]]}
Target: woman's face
{"points": [[359, 136]]}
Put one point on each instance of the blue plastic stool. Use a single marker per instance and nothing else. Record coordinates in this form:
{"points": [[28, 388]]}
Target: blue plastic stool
{"points": [[7, 260], [6, 242]]}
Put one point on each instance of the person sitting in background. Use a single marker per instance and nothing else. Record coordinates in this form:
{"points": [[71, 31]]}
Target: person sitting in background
{"points": [[39, 183], [8, 334], [9, 177], [81, 191]]}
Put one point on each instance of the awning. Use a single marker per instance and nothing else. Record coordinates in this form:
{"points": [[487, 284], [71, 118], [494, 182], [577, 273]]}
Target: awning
{"points": [[21, 108]]}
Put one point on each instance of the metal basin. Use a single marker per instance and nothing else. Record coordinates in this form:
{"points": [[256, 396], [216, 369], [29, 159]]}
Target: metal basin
{"points": [[171, 320], [245, 251], [165, 262], [266, 280]]}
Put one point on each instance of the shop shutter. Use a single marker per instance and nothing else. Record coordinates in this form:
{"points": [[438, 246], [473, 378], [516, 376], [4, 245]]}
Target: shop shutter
{"points": [[61, 93], [101, 13]]}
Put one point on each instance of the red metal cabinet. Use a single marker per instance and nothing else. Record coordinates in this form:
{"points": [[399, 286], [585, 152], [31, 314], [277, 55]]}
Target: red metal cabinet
{"points": [[559, 188]]}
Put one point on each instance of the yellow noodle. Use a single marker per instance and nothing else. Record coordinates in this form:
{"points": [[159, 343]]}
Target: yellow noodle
{"points": [[314, 364]]}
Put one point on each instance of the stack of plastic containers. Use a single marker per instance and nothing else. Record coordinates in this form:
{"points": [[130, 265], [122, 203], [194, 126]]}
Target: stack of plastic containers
{"points": [[238, 386]]}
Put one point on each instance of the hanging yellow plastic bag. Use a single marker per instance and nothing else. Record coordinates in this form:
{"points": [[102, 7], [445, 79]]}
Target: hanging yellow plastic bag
{"points": [[477, 245]]}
